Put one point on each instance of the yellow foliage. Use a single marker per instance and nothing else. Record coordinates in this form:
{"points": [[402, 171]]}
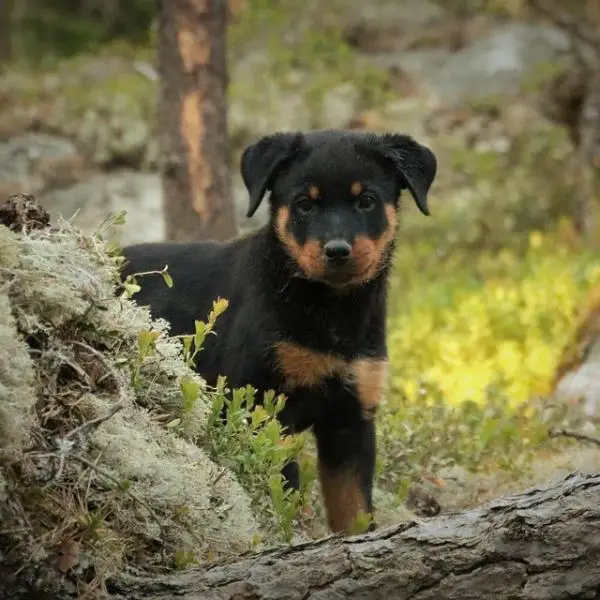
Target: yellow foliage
{"points": [[496, 321]]}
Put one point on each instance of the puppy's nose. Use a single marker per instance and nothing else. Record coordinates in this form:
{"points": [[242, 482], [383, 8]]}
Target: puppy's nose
{"points": [[337, 250]]}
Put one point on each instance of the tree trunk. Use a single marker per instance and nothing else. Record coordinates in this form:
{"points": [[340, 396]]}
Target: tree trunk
{"points": [[573, 100], [590, 154], [192, 119], [542, 544], [5, 32]]}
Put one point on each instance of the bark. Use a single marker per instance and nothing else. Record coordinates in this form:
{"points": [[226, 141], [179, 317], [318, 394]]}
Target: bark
{"points": [[540, 544], [192, 119], [5, 32]]}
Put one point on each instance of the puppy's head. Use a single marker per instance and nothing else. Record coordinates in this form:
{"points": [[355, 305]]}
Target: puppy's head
{"points": [[334, 196]]}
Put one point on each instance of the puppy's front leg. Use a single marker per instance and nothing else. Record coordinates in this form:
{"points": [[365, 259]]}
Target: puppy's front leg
{"points": [[346, 455]]}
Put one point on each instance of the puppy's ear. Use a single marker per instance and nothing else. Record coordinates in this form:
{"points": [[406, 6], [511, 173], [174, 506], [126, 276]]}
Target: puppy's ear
{"points": [[261, 162], [415, 164]]}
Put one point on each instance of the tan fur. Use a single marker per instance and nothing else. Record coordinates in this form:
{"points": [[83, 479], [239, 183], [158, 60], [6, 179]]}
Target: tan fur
{"points": [[313, 192], [356, 188], [370, 253], [342, 498], [370, 377], [304, 367], [309, 256]]}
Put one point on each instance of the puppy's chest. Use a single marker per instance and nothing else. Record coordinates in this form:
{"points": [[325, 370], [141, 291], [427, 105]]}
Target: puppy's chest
{"points": [[303, 368]]}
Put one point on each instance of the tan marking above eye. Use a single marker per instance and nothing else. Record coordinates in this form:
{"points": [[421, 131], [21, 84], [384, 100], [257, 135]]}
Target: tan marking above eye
{"points": [[313, 192], [356, 188]]}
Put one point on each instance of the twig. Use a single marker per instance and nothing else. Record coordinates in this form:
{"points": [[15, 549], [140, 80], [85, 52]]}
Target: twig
{"points": [[581, 437], [63, 450], [135, 497], [94, 422], [117, 378]]}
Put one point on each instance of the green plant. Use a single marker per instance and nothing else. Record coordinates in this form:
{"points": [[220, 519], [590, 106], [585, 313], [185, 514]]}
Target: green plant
{"points": [[251, 438], [425, 433]]}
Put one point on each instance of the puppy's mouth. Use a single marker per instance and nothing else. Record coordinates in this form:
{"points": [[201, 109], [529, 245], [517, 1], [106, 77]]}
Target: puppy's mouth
{"points": [[344, 276]]}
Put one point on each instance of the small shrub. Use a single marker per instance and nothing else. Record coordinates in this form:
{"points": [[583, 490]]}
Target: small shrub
{"points": [[424, 434], [249, 440]]}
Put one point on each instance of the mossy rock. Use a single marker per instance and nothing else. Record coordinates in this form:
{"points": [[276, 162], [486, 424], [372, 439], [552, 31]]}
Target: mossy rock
{"points": [[99, 449]]}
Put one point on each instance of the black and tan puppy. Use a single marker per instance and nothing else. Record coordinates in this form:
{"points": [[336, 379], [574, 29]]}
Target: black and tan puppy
{"points": [[307, 292]]}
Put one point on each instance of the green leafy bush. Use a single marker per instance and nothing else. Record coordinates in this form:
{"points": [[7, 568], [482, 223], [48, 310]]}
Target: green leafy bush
{"points": [[470, 322], [249, 441], [474, 340]]}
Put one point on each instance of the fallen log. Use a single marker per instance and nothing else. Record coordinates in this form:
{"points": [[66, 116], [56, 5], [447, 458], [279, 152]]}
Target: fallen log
{"points": [[543, 543]]}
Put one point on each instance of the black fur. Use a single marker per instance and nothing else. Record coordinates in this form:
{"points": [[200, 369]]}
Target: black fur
{"points": [[272, 299]]}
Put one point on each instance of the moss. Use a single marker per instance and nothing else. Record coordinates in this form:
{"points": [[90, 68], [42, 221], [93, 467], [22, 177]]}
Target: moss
{"points": [[108, 471], [17, 393], [179, 482], [9, 248]]}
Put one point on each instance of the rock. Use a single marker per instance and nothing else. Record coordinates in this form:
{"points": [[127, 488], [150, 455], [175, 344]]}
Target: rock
{"points": [[281, 103], [115, 136], [253, 113], [580, 387], [32, 162], [576, 383], [90, 203], [389, 25], [339, 106], [496, 64], [106, 105]]}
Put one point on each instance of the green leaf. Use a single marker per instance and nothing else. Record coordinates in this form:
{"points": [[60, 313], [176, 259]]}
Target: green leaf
{"points": [[190, 389], [201, 329], [131, 288], [146, 341], [168, 279], [187, 343], [120, 217]]}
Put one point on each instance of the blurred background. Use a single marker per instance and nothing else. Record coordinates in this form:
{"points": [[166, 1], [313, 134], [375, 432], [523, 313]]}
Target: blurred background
{"points": [[145, 106]]}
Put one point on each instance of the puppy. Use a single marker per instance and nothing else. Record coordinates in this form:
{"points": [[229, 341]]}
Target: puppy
{"points": [[307, 292]]}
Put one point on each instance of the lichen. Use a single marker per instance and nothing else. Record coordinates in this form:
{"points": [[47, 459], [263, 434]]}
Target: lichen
{"points": [[17, 395], [89, 456]]}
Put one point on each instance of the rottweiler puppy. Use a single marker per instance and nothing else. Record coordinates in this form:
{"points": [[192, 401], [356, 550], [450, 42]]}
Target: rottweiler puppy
{"points": [[307, 292]]}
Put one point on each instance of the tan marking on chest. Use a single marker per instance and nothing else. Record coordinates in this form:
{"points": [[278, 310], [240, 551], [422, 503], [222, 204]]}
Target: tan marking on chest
{"points": [[304, 367], [370, 377]]}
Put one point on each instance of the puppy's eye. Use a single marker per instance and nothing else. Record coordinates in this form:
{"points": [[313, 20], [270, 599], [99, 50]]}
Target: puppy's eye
{"points": [[305, 205], [366, 203]]}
